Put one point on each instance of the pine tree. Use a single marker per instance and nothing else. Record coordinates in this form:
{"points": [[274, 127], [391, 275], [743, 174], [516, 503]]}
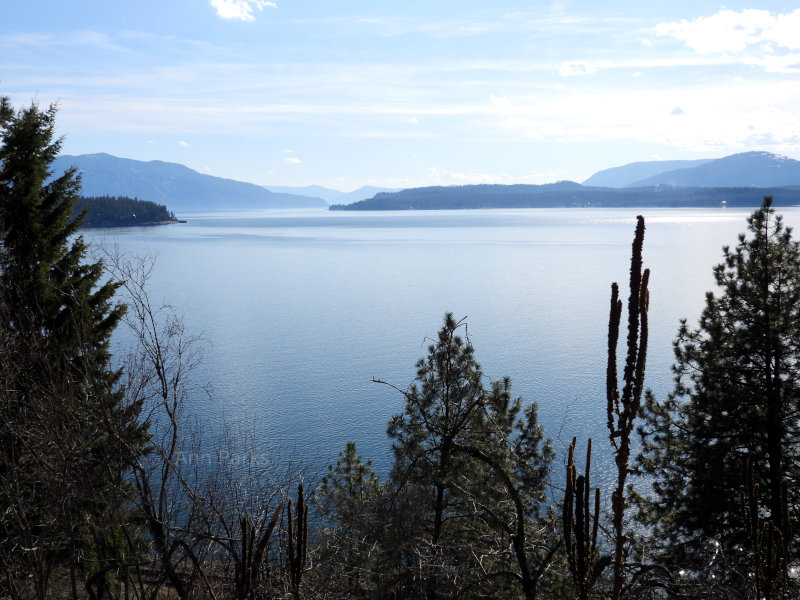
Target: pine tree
{"points": [[470, 466], [351, 547], [67, 433], [736, 399], [349, 486]]}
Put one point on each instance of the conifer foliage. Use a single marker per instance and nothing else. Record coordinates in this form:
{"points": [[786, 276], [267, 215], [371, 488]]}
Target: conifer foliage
{"points": [[736, 402], [66, 431], [471, 462]]}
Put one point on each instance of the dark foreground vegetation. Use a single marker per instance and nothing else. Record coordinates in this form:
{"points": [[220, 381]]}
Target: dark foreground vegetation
{"points": [[120, 211], [109, 490]]}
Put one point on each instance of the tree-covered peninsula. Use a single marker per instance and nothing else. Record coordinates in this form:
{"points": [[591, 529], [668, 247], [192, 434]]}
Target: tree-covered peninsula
{"points": [[121, 211], [568, 194]]}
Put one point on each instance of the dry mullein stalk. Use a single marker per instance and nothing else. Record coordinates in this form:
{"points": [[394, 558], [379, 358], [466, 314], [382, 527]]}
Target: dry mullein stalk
{"points": [[770, 543], [580, 525], [623, 408], [253, 549], [298, 542]]}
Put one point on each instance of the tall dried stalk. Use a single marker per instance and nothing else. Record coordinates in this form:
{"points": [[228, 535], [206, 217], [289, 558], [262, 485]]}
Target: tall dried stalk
{"points": [[623, 408], [580, 525], [298, 541], [252, 554], [770, 542]]}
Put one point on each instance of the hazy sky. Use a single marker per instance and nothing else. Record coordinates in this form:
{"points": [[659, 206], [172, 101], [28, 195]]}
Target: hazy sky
{"points": [[407, 93]]}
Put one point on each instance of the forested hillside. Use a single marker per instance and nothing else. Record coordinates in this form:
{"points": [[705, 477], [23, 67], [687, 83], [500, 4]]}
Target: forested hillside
{"points": [[175, 185], [121, 211], [568, 194]]}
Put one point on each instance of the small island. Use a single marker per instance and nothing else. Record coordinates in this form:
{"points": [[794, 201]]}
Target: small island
{"points": [[121, 211]]}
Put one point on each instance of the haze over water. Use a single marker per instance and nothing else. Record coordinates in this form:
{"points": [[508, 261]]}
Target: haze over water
{"points": [[302, 309]]}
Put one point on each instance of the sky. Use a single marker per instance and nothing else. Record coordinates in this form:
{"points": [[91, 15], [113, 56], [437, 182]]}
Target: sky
{"points": [[408, 93]]}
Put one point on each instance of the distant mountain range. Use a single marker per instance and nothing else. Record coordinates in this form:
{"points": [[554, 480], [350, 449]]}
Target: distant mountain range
{"points": [[749, 169], [178, 187], [739, 179], [736, 180], [329, 195], [628, 175]]}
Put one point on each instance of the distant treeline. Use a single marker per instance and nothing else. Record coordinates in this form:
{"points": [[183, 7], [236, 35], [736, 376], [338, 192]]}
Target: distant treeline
{"points": [[568, 194], [121, 211]]}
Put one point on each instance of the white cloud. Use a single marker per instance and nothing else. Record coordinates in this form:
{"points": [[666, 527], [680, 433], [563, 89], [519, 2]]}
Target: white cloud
{"points": [[292, 160], [444, 176], [184, 144], [576, 67], [731, 31], [496, 99], [783, 30], [717, 120], [786, 63], [240, 9], [499, 101], [412, 120]]}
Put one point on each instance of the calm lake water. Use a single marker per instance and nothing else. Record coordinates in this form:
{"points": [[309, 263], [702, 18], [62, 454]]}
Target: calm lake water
{"points": [[302, 309]]}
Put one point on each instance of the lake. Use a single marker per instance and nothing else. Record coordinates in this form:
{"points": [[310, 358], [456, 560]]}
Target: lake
{"points": [[301, 309]]}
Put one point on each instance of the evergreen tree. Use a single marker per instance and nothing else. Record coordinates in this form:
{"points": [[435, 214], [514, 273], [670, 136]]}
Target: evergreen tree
{"points": [[468, 477], [352, 545], [67, 434], [736, 401], [348, 487]]}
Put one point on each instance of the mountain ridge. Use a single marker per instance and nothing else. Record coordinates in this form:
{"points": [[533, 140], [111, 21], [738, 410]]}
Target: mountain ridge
{"points": [[749, 174], [331, 195], [628, 174], [745, 169], [571, 195], [175, 185]]}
